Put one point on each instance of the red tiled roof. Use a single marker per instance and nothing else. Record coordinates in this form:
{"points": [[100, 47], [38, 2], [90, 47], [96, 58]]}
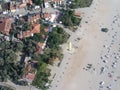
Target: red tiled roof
{"points": [[77, 14], [30, 76], [29, 73], [22, 5], [36, 28], [28, 33], [30, 2], [24, 34], [5, 25], [39, 49], [28, 67], [39, 44]]}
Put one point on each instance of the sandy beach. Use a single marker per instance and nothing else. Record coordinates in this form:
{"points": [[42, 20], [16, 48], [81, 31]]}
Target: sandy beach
{"points": [[94, 61]]}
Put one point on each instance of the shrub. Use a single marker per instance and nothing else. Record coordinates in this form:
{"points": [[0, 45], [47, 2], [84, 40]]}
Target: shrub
{"points": [[104, 29]]}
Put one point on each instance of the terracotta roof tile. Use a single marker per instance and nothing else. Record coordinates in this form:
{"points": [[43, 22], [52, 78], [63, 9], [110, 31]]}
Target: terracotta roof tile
{"points": [[36, 28], [30, 77], [28, 33], [77, 14], [5, 25], [39, 49]]}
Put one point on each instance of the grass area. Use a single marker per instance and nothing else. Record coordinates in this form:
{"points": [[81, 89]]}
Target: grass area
{"points": [[80, 3]]}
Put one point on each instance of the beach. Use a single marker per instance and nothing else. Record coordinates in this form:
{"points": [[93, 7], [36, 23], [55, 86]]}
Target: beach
{"points": [[94, 61]]}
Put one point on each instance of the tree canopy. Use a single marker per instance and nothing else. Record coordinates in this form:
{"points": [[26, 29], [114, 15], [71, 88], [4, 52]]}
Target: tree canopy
{"points": [[9, 68], [68, 18], [56, 37], [38, 2]]}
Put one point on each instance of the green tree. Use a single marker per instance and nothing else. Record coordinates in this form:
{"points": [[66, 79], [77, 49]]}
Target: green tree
{"points": [[56, 37], [10, 56], [30, 47], [1, 61], [68, 18], [42, 75], [5, 45], [38, 2], [16, 46]]}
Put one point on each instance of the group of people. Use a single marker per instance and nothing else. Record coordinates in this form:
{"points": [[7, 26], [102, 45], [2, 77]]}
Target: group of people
{"points": [[111, 57]]}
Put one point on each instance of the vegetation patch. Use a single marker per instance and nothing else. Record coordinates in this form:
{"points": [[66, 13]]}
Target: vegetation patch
{"points": [[69, 19], [80, 3], [104, 29], [5, 88], [53, 50]]}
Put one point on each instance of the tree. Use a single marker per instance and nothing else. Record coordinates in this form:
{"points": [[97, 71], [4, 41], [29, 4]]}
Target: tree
{"points": [[30, 47], [26, 26], [76, 21], [38, 2], [42, 74], [68, 18], [9, 56], [104, 29], [3, 5], [16, 46], [1, 61], [38, 37], [56, 37], [5, 45]]}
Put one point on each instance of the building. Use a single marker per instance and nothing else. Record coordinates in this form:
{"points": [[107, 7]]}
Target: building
{"points": [[77, 14], [32, 18], [46, 16], [46, 3], [34, 25], [30, 70], [53, 18], [58, 2], [29, 77], [11, 6], [50, 17], [26, 2], [35, 28], [39, 48], [5, 25]]}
